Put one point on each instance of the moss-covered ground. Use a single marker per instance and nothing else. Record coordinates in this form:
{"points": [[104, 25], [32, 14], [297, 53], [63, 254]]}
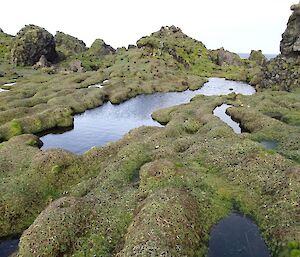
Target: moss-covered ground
{"points": [[157, 191]]}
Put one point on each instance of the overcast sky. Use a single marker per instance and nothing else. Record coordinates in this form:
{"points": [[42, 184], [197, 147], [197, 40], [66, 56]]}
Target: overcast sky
{"points": [[237, 25]]}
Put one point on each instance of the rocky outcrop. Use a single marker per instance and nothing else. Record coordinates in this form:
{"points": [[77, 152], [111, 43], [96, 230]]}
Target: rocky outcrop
{"points": [[290, 43], [258, 57], [1, 31], [30, 44], [69, 44], [42, 63], [223, 57], [99, 49], [283, 72]]}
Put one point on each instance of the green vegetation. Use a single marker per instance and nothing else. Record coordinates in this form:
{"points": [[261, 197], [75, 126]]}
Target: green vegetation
{"points": [[176, 182], [157, 190]]}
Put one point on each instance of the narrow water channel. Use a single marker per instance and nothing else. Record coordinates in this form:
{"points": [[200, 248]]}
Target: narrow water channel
{"points": [[220, 112], [109, 122], [237, 236]]}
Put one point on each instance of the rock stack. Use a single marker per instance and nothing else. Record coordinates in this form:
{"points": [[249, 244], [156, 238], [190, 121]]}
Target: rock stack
{"points": [[283, 72], [290, 43]]}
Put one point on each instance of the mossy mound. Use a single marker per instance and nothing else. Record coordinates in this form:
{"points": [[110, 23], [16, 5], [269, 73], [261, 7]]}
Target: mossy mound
{"points": [[99, 49], [165, 184], [69, 45], [167, 224], [30, 44]]}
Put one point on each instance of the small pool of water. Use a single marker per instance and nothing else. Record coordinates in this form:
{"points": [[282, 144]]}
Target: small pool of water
{"points": [[269, 144], [220, 112], [237, 236], [9, 84], [110, 122], [7, 247]]}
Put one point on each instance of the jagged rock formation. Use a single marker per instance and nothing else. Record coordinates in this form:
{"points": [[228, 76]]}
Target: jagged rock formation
{"points": [[282, 72], [290, 43], [258, 57], [69, 44], [99, 49], [30, 44]]}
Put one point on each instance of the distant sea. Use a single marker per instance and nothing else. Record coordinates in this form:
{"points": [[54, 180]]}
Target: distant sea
{"points": [[246, 55]]}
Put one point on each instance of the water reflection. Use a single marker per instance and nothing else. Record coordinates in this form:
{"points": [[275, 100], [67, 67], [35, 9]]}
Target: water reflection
{"points": [[109, 122], [220, 112]]}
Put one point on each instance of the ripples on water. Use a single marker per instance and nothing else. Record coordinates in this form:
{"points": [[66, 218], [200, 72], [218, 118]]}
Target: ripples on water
{"points": [[108, 123]]}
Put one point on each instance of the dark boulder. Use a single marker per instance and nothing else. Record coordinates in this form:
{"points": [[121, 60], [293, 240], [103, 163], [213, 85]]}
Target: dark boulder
{"points": [[1, 31], [290, 43], [30, 44]]}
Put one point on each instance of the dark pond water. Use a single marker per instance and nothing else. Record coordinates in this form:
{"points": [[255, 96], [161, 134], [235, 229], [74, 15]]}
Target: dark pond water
{"points": [[220, 112], [8, 247], [109, 122], [236, 236], [269, 144]]}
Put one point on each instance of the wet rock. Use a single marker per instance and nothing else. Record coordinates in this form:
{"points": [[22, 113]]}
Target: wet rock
{"points": [[258, 57], [290, 43], [30, 44], [99, 49], [69, 44]]}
